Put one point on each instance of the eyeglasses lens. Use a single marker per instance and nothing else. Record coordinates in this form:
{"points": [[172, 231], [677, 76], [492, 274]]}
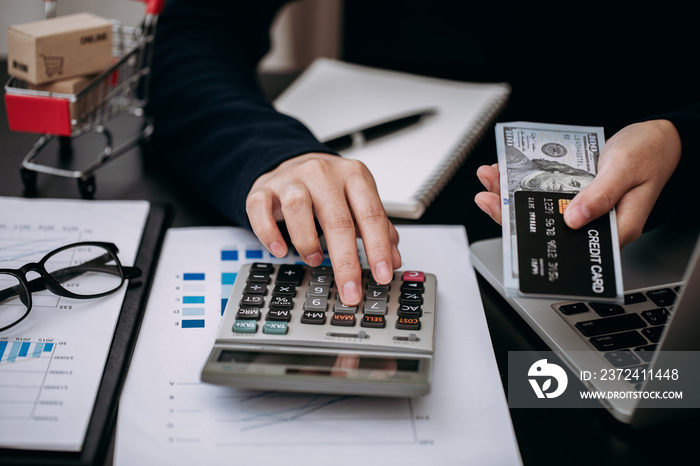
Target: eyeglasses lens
{"points": [[14, 300], [85, 270]]}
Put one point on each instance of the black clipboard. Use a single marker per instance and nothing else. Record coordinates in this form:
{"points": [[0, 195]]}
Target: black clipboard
{"points": [[98, 438]]}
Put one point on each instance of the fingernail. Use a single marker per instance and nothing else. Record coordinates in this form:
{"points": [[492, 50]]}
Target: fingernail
{"points": [[577, 216], [277, 249], [314, 259], [351, 293], [383, 273]]}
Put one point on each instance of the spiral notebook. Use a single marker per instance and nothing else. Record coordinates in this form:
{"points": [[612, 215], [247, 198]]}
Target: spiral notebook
{"points": [[411, 165]]}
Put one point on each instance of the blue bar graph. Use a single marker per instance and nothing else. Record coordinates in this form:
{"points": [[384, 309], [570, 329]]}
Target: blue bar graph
{"points": [[193, 311], [193, 299], [38, 349], [229, 255], [193, 323], [17, 350], [193, 276], [254, 254]]}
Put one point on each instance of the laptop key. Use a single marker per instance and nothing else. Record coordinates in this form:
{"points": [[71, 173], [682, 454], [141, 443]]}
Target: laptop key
{"points": [[573, 308], [618, 341], [622, 358], [663, 297], [646, 352], [592, 328], [654, 333], [607, 309], [634, 298], [656, 316]]}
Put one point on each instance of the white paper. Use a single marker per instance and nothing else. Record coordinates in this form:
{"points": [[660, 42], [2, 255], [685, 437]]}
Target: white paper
{"points": [[167, 416], [52, 362]]}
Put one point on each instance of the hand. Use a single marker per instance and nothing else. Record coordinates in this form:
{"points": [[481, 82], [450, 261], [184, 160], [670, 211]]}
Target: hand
{"points": [[343, 196], [634, 166]]}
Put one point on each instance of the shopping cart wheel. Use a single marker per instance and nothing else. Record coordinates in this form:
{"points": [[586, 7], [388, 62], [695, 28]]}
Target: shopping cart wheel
{"points": [[29, 182], [86, 186]]}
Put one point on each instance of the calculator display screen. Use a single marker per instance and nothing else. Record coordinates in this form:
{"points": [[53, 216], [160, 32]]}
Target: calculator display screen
{"points": [[341, 365]]}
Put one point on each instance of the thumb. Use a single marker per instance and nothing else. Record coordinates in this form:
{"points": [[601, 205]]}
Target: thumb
{"points": [[595, 200]]}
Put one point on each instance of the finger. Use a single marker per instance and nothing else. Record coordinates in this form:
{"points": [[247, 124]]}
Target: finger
{"points": [[490, 178], [598, 198], [337, 223], [297, 208], [396, 255], [259, 207], [490, 203], [373, 226], [632, 212]]}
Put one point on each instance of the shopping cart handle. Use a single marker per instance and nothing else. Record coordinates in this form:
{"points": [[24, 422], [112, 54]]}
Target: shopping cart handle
{"points": [[154, 7]]}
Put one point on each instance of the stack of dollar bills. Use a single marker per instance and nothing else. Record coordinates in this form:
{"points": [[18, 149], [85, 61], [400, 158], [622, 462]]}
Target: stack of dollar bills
{"points": [[542, 167]]}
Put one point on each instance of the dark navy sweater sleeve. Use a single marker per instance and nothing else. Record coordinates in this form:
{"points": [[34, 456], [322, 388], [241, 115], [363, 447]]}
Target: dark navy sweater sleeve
{"points": [[672, 205], [212, 122]]}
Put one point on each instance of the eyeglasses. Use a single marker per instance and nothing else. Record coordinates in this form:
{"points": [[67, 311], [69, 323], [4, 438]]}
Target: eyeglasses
{"points": [[80, 270]]}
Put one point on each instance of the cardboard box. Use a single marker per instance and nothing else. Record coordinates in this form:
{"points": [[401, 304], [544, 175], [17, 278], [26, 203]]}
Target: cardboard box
{"points": [[73, 86], [66, 46]]}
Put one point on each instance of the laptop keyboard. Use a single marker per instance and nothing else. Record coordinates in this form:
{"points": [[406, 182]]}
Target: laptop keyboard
{"points": [[627, 333]]}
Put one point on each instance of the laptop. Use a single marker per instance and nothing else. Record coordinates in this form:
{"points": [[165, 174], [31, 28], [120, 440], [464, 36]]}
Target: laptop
{"points": [[661, 316]]}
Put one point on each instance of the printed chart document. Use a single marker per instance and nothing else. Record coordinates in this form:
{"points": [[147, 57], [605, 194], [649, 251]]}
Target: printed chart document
{"points": [[52, 362], [413, 164], [167, 416]]}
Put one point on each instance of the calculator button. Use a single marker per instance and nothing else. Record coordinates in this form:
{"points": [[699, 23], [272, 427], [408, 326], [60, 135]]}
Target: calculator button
{"points": [[313, 317], [413, 276], [279, 314], [252, 300], [255, 288], [321, 291], [245, 326], [411, 298], [259, 277], [346, 320], [248, 313], [406, 310], [321, 280], [373, 321], [262, 267], [281, 302], [340, 307], [322, 270], [416, 287], [408, 323], [315, 303], [290, 274], [276, 328], [375, 307], [378, 294], [284, 290], [372, 284]]}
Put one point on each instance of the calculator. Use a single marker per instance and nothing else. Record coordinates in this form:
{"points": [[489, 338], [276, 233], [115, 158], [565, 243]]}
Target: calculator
{"points": [[284, 328]]}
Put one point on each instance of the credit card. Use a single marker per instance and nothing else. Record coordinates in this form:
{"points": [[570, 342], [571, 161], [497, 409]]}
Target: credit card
{"points": [[557, 261]]}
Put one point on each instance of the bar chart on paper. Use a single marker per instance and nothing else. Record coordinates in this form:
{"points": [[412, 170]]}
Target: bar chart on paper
{"points": [[32, 382], [51, 363]]}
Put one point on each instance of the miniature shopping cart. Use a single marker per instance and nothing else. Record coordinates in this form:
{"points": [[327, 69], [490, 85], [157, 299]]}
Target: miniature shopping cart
{"points": [[120, 89]]}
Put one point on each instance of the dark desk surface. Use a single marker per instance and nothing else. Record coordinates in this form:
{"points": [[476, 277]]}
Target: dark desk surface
{"points": [[552, 436]]}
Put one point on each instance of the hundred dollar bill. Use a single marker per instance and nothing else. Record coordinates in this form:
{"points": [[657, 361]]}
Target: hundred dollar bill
{"points": [[542, 167]]}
